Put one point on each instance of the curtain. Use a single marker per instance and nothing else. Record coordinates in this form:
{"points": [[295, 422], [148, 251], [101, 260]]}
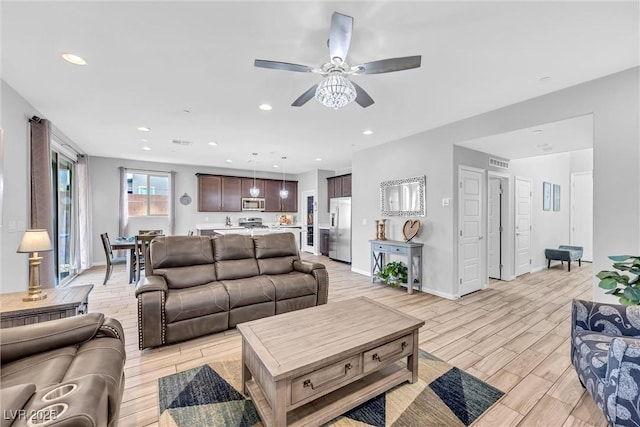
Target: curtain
{"points": [[123, 217], [172, 202], [84, 236], [42, 192]]}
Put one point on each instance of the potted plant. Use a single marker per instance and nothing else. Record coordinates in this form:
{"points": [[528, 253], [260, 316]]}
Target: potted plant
{"points": [[393, 274], [626, 288]]}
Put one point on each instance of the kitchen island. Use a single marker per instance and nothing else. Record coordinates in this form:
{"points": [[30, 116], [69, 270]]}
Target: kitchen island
{"points": [[210, 229]]}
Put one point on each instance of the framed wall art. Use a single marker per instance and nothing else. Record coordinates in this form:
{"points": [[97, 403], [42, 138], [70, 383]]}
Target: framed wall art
{"points": [[556, 198], [546, 196]]}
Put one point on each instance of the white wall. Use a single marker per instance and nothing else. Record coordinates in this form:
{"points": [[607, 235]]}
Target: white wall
{"points": [[613, 100], [14, 120], [582, 160]]}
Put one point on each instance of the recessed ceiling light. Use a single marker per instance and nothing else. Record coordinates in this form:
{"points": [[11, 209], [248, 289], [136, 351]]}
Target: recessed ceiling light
{"points": [[146, 148], [367, 132], [228, 160], [74, 59], [144, 129], [275, 166], [265, 107], [545, 78], [318, 159], [537, 131], [213, 143]]}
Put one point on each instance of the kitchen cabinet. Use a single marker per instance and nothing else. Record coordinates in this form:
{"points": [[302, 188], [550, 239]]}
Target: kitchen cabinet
{"points": [[338, 186], [219, 193], [247, 183], [231, 194], [324, 242], [209, 193]]}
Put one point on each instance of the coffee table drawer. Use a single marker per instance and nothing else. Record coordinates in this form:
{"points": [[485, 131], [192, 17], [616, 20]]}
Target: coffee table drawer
{"points": [[389, 352], [324, 378]]}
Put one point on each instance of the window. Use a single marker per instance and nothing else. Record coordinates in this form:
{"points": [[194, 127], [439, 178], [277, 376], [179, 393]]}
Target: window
{"points": [[64, 212], [147, 194]]}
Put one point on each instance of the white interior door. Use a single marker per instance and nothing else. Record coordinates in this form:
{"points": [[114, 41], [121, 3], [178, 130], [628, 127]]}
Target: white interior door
{"points": [[470, 221], [523, 226], [582, 213], [494, 228]]}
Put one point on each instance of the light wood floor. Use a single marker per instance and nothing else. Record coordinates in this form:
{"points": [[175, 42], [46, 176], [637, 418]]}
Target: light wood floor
{"points": [[514, 335]]}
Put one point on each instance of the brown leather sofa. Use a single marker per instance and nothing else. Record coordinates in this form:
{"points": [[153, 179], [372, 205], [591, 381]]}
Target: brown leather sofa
{"points": [[197, 285], [64, 372]]}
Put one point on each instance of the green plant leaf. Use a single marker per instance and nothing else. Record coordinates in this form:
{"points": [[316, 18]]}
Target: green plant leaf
{"points": [[619, 258], [608, 283], [626, 301], [632, 293], [604, 274]]}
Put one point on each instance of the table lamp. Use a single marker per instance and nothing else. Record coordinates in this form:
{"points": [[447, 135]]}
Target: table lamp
{"points": [[35, 241]]}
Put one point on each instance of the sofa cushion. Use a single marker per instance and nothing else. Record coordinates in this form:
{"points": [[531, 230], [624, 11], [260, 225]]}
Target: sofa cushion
{"points": [[249, 291], [236, 269], [279, 265], [275, 245], [186, 277], [179, 251], [293, 285], [197, 301], [593, 347], [42, 369], [232, 246]]}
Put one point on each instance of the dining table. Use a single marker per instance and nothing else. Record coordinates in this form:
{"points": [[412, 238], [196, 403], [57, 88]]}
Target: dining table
{"points": [[122, 244]]}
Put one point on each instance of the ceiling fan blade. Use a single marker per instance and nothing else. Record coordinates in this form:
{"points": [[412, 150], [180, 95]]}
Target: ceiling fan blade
{"points": [[340, 35], [262, 63], [302, 99], [390, 65], [362, 97]]}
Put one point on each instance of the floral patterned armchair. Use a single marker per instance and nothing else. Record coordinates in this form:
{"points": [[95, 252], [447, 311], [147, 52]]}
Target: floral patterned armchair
{"points": [[605, 350]]}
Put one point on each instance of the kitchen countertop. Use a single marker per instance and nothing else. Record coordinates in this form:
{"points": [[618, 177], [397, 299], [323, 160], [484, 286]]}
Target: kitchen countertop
{"points": [[218, 226]]}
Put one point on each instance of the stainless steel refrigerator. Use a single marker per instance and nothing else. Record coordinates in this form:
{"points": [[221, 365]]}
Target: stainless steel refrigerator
{"points": [[340, 229]]}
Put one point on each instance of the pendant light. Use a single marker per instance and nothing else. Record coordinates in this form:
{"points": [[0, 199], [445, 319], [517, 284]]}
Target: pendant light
{"points": [[254, 191], [284, 193]]}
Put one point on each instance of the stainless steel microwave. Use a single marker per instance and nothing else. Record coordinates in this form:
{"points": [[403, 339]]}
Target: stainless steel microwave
{"points": [[253, 204]]}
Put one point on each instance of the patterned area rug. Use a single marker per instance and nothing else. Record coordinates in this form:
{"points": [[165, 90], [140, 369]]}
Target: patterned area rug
{"points": [[210, 395]]}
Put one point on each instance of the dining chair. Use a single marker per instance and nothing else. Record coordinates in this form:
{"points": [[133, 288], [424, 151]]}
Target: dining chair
{"points": [[141, 245], [111, 260], [190, 233]]}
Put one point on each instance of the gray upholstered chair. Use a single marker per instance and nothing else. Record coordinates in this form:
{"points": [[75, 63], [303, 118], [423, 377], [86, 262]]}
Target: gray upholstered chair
{"points": [[605, 350], [111, 260], [564, 253]]}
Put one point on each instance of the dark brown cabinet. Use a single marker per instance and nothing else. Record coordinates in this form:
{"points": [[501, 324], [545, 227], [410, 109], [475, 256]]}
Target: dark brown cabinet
{"points": [[217, 193], [209, 193], [231, 194], [247, 183], [324, 242], [338, 186]]}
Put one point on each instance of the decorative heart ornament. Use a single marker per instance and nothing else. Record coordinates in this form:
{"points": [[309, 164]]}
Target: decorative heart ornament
{"points": [[410, 229]]}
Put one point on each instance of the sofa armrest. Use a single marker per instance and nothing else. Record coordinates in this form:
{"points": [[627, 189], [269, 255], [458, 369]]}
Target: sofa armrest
{"points": [[612, 319], [621, 382], [111, 328], [307, 267], [27, 340], [151, 284]]}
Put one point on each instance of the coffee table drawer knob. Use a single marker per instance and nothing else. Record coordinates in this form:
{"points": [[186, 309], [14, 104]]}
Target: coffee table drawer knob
{"points": [[308, 383]]}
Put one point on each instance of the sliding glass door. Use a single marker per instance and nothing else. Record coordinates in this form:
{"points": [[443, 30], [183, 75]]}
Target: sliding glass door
{"points": [[64, 222]]}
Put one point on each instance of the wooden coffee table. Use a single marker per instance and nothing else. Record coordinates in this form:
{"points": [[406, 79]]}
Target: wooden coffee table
{"points": [[308, 366]]}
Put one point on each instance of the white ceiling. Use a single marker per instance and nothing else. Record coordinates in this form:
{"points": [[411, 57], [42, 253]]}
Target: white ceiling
{"points": [[149, 61], [549, 138]]}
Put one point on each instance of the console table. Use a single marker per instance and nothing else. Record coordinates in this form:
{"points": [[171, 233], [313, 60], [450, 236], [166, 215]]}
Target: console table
{"points": [[60, 302], [409, 250]]}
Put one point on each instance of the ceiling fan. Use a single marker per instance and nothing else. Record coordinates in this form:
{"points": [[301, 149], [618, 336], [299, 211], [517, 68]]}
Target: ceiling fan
{"points": [[336, 90]]}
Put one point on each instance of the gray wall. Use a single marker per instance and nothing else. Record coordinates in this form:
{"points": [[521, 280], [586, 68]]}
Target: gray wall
{"points": [[614, 102]]}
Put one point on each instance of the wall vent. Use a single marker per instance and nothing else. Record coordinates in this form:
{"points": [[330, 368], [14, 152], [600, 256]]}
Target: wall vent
{"points": [[181, 142], [503, 164]]}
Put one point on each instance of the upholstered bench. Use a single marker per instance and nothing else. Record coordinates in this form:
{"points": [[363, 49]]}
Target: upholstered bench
{"points": [[564, 253]]}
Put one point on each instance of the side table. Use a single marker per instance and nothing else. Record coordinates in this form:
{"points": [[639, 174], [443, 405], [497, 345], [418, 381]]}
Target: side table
{"points": [[409, 250], [60, 302]]}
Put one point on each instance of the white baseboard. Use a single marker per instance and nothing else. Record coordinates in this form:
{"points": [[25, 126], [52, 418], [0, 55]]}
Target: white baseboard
{"points": [[97, 264], [363, 272], [538, 269], [440, 294]]}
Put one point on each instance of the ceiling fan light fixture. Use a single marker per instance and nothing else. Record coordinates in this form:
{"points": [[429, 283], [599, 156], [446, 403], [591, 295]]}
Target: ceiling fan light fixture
{"points": [[335, 91]]}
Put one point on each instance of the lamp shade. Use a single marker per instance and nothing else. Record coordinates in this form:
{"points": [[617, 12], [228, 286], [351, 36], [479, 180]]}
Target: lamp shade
{"points": [[35, 241]]}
